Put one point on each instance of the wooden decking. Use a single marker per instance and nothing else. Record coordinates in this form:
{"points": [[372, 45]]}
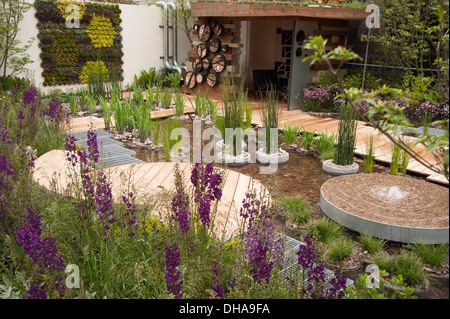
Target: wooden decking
{"points": [[147, 181]]}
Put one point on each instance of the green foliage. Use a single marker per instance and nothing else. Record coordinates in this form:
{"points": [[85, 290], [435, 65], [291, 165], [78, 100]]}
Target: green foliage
{"points": [[290, 133], [73, 102], [200, 104], [175, 80], [297, 208], [360, 290], [9, 83], [233, 112], [270, 115], [156, 128], [325, 144], [404, 38], [433, 255], [307, 139], [371, 244], [395, 159], [317, 44], [248, 115], [340, 249], [212, 108], [324, 230], [142, 120], [384, 263], [348, 123], [106, 112], [179, 104], [220, 124], [169, 128], [418, 85], [146, 79], [166, 98], [369, 155], [409, 266], [120, 112]]}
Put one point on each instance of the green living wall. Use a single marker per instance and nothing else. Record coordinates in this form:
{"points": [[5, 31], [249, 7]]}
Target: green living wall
{"points": [[70, 52]]}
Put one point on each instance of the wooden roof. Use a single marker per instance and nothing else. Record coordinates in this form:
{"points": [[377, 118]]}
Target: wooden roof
{"points": [[246, 11]]}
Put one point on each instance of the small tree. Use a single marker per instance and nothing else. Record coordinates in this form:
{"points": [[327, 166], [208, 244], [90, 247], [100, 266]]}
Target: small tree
{"points": [[13, 56]]}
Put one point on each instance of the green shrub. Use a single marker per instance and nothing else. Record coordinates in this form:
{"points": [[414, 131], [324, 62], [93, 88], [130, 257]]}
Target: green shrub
{"points": [[340, 249], [324, 230], [384, 263], [370, 244], [290, 133], [307, 139], [299, 209], [325, 144], [409, 266], [433, 255]]}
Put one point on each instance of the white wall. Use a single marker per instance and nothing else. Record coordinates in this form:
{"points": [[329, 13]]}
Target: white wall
{"points": [[142, 43]]}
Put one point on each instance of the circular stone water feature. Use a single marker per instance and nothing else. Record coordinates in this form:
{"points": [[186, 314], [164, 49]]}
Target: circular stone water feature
{"points": [[389, 207]]}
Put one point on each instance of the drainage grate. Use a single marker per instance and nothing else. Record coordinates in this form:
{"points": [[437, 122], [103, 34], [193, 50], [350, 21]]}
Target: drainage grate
{"points": [[112, 152], [292, 246]]}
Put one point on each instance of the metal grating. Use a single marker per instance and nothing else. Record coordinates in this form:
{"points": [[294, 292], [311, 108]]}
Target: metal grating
{"points": [[292, 246], [112, 152]]}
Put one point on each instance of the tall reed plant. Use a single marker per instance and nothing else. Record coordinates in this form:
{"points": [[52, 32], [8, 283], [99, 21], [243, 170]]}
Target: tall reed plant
{"points": [[138, 96], [156, 129], [83, 94], [106, 110], [120, 112], [211, 107], [201, 106], [166, 98], [142, 121], [395, 159], [179, 104], [307, 139], [73, 102], [233, 110], [169, 126], [348, 123], [369, 155], [270, 115]]}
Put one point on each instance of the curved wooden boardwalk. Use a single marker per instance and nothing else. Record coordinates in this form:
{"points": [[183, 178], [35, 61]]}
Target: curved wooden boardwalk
{"points": [[148, 180]]}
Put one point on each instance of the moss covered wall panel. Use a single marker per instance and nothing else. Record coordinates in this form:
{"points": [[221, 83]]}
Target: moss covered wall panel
{"points": [[67, 52]]}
